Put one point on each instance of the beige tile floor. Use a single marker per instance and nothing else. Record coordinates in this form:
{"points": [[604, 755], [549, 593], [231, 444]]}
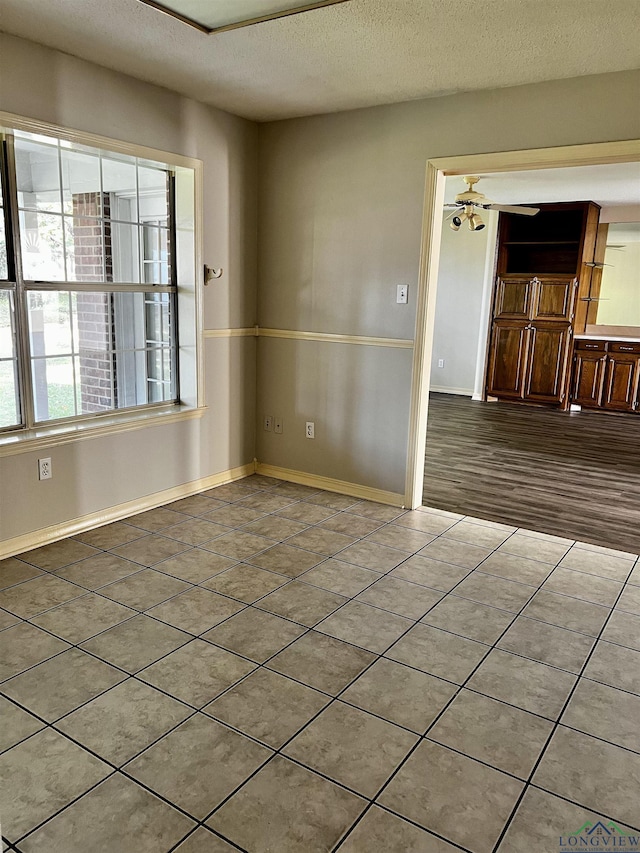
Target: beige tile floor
{"points": [[268, 668]]}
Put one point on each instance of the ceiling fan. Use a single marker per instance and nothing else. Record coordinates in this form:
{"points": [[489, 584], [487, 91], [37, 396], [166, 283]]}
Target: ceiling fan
{"points": [[466, 204]]}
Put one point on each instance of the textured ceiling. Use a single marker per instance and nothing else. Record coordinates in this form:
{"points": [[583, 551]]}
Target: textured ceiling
{"points": [[355, 54]]}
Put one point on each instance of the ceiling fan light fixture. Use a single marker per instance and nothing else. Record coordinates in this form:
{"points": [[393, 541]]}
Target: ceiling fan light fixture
{"points": [[455, 223], [475, 222]]}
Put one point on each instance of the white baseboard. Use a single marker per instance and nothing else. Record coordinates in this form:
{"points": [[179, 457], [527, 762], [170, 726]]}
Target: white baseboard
{"points": [[330, 485], [46, 535], [440, 389]]}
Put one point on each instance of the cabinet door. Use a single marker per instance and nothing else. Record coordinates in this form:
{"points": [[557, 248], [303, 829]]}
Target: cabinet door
{"points": [[554, 298], [588, 377], [547, 363], [513, 298], [507, 359], [621, 383]]}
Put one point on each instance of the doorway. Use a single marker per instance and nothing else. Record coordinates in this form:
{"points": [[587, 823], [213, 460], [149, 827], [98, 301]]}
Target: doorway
{"points": [[507, 165]]}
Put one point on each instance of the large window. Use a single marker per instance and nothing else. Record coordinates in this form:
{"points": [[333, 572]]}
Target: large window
{"points": [[88, 287]]}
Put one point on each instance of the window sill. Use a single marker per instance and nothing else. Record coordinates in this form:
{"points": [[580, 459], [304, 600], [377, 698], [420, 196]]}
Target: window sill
{"points": [[44, 437]]}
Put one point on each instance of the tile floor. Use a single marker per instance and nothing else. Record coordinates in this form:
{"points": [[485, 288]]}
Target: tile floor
{"points": [[264, 667]]}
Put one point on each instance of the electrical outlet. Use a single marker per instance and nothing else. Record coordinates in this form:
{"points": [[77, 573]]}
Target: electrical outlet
{"points": [[268, 423], [310, 429], [441, 362], [44, 469], [277, 425], [402, 294]]}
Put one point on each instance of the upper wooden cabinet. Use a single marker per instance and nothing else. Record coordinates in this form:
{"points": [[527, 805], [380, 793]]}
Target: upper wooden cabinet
{"points": [[513, 298], [554, 298], [549, 297]]}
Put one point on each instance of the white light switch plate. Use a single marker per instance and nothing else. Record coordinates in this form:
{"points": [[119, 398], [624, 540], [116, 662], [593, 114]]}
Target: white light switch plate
{"points": [[402, 294]]}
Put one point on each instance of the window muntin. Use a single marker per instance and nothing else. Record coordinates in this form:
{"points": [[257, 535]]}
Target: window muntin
{"points": [[95, 236], [4, 266], [9, 397]]}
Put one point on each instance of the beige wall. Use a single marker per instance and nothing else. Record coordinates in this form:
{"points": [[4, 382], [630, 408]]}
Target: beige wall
{"points": [[620, 291], [459, 322], [339, 212], [340, 209], [93, 475]]}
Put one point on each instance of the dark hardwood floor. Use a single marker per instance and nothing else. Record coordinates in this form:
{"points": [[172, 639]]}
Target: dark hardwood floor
{"points": [[569, 474]]}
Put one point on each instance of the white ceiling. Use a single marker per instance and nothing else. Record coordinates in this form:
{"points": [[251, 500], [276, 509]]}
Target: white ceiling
{"points": [[609, 186], [354, 54]]}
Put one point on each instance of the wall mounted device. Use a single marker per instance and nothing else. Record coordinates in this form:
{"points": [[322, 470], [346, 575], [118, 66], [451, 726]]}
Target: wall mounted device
{"points": [[210, 273]]}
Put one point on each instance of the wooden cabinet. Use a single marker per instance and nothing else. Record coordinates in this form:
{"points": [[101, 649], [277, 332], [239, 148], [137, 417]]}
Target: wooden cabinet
{"points": [[622, 377], [548, 356], [513, 298], [531, 338], [554, 298], [606, 375], [588, 372], [542, 268], [507, 361]]}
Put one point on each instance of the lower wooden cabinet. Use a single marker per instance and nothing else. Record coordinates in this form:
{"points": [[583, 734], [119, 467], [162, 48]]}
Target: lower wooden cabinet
{"points": [[589, 367], [529, 362], [507, 359], [547, 360], [606, 375], [621, 383]]}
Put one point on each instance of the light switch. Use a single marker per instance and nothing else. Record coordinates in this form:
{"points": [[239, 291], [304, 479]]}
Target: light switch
{"points": [[402, 294]]}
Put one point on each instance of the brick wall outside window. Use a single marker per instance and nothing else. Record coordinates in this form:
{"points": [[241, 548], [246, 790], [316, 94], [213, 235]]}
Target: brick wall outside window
{"points": [[94, 263]]}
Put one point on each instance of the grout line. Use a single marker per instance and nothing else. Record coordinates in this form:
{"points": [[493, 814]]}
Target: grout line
{"points": [[555, 727]]}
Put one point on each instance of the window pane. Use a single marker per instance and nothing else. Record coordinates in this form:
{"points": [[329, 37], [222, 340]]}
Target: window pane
{"points": [[9, 413], [158, 330], [42, 246], [123, 264], [81, 190], [119, 182], [95, 376], [85, 249], [38, 176], [54, 388], [50, 323], [9, 404], [155, 244], [154, 195]]}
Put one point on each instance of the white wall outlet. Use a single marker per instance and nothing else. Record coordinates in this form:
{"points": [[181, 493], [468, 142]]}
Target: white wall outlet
{"points": [[402, 294], [44, 469], [441, 362], [268, 423], [310, 429], [277, 425]]}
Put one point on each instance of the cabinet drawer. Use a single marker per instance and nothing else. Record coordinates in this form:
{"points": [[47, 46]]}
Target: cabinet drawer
{"points": [[593, 346], [628, 348]]}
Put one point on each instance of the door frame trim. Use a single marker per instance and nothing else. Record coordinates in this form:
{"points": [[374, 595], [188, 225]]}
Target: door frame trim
{"points": [[592, 154]]}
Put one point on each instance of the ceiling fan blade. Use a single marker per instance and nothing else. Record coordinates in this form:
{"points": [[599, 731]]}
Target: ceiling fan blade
{"points": [[510, 208]]}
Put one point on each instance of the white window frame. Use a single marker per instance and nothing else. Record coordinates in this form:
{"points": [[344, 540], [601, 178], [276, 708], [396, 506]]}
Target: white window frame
{"points": [[188, 173]]}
